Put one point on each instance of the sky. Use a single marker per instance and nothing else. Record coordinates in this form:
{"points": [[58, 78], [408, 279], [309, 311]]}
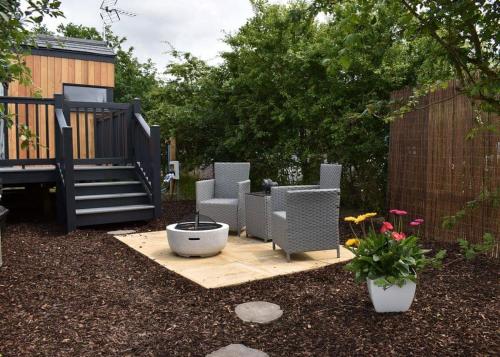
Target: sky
{"points": [[196, 26]]}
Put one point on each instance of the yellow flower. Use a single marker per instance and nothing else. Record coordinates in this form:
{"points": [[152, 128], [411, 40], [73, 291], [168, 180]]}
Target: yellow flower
{"points": [[359, 219], [353, 242], [370, 215], [350, 219]]}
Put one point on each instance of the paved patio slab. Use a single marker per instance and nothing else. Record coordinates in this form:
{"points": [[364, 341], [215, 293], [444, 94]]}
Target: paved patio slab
{"points": [[242, 260]]}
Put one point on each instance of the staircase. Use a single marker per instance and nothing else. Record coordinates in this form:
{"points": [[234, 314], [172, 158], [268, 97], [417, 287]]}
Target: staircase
{"points": [[110, 194]]}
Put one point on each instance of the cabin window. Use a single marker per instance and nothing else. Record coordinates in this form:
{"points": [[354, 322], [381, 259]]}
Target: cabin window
{"points": [[78, 93]]}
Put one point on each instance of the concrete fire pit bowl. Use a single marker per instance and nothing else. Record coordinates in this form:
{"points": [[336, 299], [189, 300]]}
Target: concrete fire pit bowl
{"points": [[203, 239]]}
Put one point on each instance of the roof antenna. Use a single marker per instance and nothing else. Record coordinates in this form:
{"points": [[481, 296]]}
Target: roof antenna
{"points": [[111, 14]]}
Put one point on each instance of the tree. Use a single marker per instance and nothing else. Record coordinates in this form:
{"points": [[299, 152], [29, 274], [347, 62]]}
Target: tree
{"points": [[14, 40], [293, 91], [15, 35], [463, 33], [79, 31]]}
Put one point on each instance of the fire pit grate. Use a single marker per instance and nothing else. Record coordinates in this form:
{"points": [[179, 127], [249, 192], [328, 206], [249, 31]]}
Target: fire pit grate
{"points": [[198, 223]]}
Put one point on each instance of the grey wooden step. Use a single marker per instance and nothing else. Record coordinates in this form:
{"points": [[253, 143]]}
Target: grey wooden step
{"points": [[107, 187], [100, 210], [103, 215], [113, 199], [106, 183], [83, 167], [99, 173], [112, 195]]}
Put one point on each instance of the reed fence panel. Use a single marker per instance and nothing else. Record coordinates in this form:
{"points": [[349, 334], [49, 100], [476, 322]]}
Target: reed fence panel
{"points": [[434, 170]]}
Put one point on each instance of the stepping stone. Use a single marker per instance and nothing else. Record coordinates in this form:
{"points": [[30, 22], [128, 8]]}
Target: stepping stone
{"points": [[237, 350], [121, 232], [261, 312]]}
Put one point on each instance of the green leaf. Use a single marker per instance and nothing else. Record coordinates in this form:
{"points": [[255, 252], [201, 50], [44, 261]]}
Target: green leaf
{"points": [[345, 62]]}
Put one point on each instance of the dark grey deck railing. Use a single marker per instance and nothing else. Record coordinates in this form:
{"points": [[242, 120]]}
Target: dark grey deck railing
{"points": [[101, 131], [35, 113]]}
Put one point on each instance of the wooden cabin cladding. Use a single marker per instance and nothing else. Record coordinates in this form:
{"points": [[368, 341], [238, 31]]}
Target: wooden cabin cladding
{"points": [[49, 73]]}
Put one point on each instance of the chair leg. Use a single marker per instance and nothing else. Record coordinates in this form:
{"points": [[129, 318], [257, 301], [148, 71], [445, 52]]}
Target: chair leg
{"points": [[274, 246], [338, 252], [288, 257]]}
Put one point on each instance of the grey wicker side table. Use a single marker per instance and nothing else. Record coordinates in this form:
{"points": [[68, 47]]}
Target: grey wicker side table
{"points": [[258, 215]]}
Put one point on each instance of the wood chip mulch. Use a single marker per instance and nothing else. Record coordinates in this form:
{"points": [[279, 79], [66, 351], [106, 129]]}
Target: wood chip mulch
{"points": [[88, 294]]}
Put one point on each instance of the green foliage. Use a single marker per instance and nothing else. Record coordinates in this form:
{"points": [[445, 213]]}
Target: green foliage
{"points": [[462, 35], [14, 38], [15, 35], [485, 196], [79, 31], [470, 250], [388, 261], [291, 93]]}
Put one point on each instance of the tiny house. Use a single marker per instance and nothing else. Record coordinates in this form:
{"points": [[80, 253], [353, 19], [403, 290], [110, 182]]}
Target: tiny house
{"points": [[101, 156]]}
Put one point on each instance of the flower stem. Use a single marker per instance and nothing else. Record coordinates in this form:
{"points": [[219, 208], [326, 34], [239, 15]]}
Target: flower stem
{"points": [[363, 229], [352, 229]]}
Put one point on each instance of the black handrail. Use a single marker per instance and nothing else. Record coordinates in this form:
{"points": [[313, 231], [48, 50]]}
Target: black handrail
{"points": [[103, 105], [143, 124], [27, 100], [146, 154]]}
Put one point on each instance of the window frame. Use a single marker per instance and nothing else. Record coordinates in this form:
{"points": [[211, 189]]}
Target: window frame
{"points": [[109, 90]]}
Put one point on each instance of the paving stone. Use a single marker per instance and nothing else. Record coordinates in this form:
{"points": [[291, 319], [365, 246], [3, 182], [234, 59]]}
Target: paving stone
{"points": [[121, 232], [237, 350], [261, 312]]}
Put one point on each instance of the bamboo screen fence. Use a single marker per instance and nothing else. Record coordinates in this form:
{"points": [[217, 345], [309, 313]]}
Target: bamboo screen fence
{"points": [[434, 170]]}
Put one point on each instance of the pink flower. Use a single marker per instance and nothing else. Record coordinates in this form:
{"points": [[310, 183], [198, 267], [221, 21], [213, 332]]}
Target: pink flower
{"points": [[398, 212], [415, 224], [386, 226], [398, 236], [419, 220]]}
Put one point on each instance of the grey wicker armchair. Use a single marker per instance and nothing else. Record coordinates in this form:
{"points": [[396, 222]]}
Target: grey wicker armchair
{"points": [[306, 218], [223, 198]]}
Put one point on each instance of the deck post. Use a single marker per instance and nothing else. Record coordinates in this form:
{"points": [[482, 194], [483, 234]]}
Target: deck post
{"points": [[69, 179], [60, 217], [64, 162], [156, 164], [135, 107]]}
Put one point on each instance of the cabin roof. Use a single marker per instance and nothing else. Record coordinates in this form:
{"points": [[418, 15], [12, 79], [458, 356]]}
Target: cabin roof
{"points": [[72, 47]]}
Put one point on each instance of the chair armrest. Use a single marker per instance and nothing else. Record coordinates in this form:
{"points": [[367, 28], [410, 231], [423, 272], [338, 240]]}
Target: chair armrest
{"points": [[204, 190], [243, 188], [278, 194]]}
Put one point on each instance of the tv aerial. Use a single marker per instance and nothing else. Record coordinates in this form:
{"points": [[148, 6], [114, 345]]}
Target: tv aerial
{"points": [[111, 14]]}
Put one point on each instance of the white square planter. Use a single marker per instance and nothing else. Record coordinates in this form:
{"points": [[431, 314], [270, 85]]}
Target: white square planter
{"points": [[392, 299]]}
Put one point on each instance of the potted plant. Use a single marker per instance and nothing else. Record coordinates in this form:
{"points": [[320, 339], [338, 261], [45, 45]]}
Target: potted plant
{"points": [[388, 260]]}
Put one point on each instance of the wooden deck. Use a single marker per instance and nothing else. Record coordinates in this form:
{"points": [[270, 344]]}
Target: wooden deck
{"points": [[118, 181]]}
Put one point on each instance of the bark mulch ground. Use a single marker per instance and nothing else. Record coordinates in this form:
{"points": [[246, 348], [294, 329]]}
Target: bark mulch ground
{"points": [[88, 294]]}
